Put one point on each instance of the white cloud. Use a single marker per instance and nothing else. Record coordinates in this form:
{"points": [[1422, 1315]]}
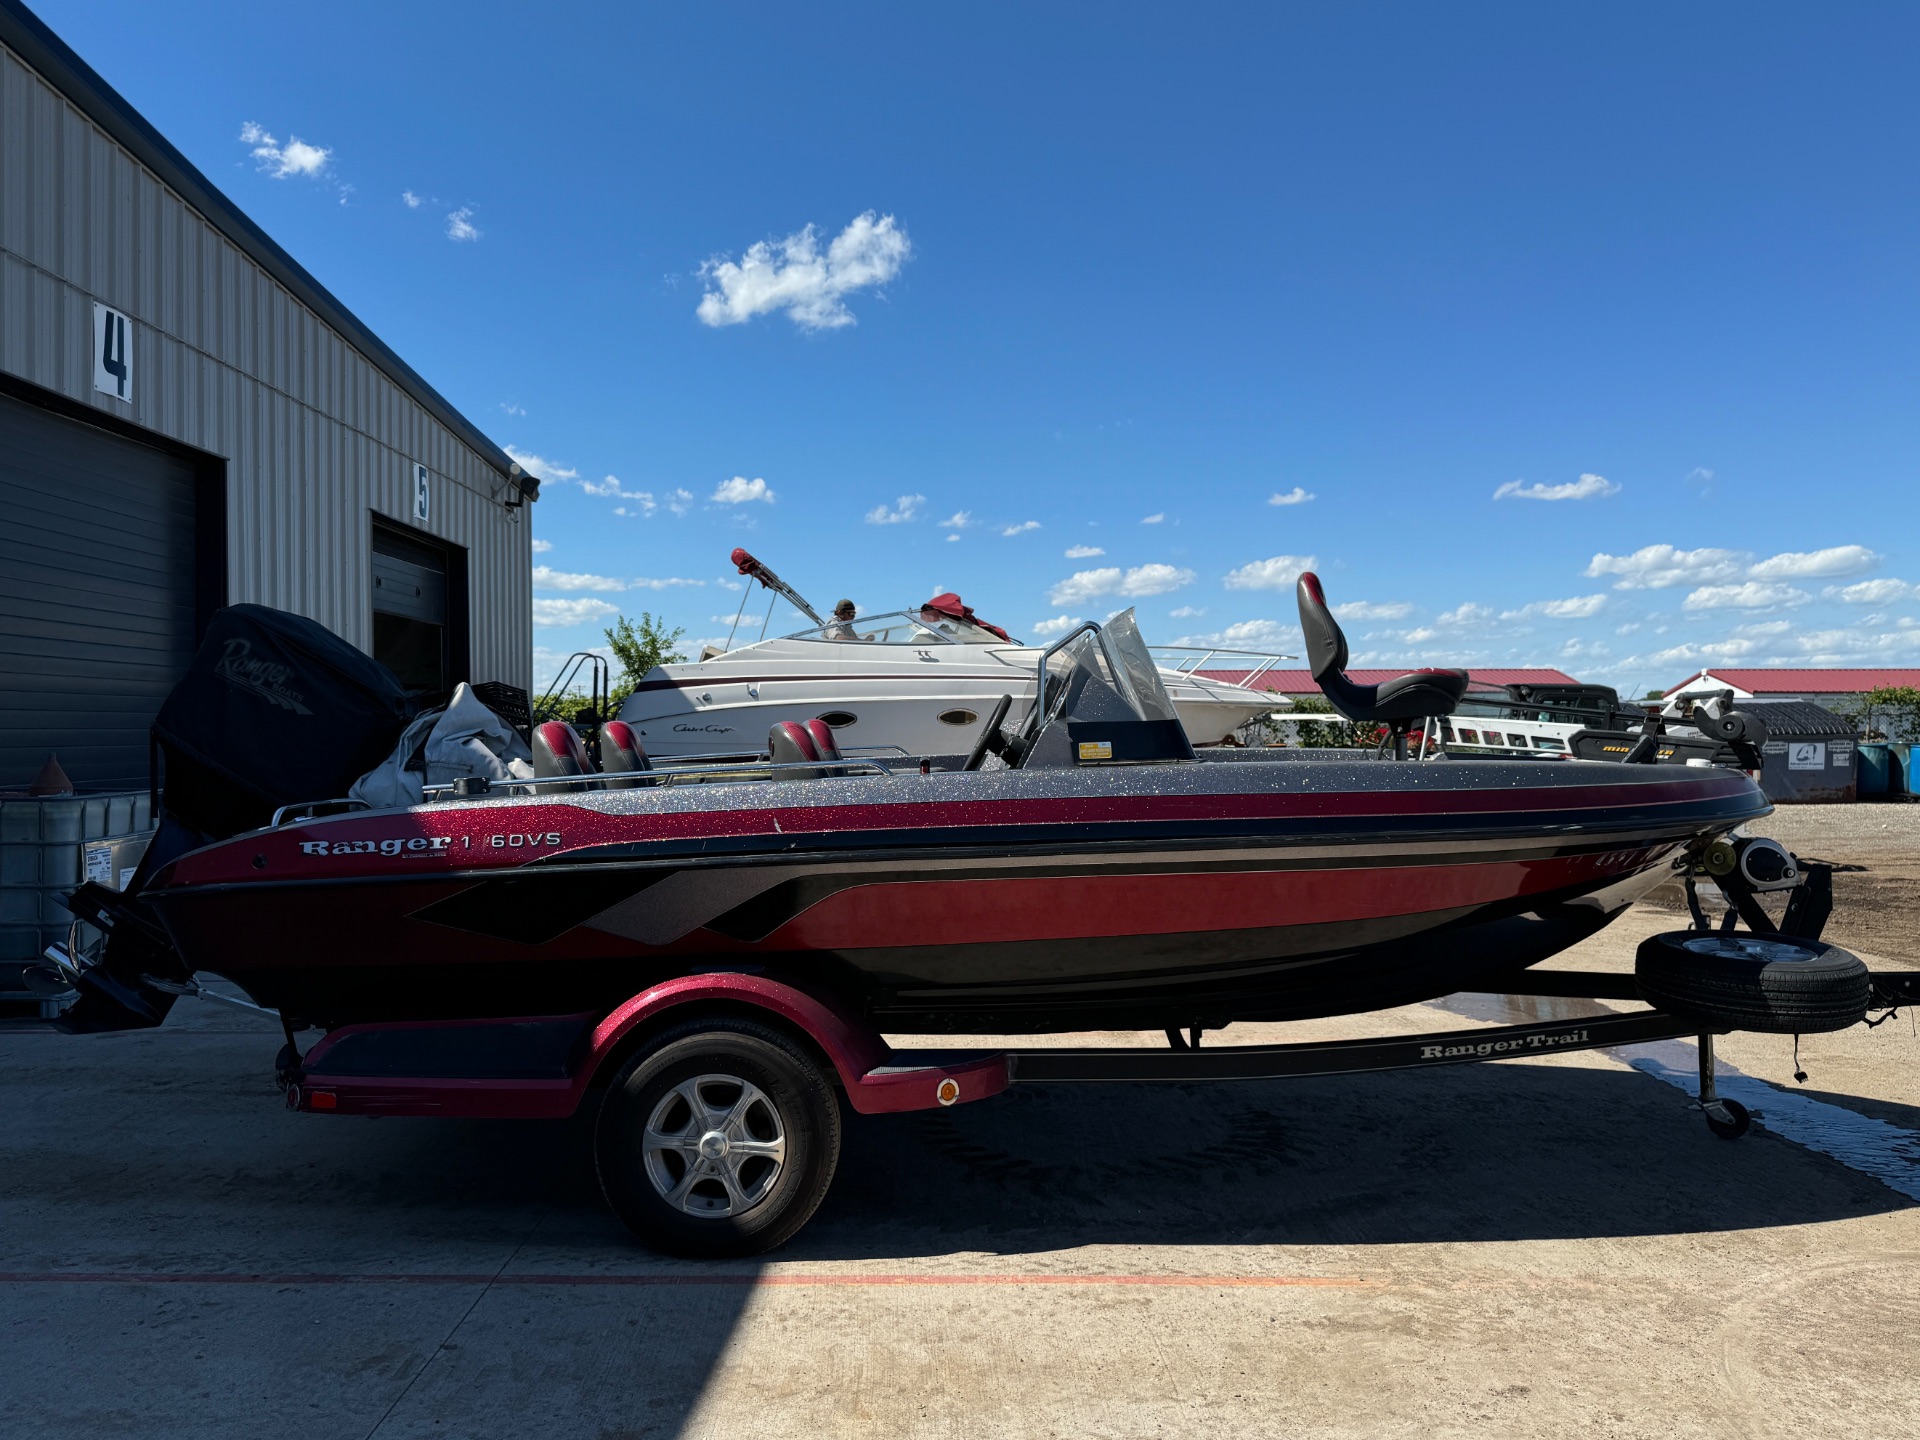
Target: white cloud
{"points": [[411, 200], [611, 486], [1187, 612], [1083, 552], [959, 520], [539, 465], [1656, 567], [545, 578], [1141, 580], [541, 547], [1085, 585], [1267, 635], [1872, 592], [907, 509], [1587, 487], [741, 491], [572, 612], [1022, 528], [507, 407], [460, 224], [672, 582], [1373, 610], [1295, 496], [1154, 519], [1580, 607], [1825, 564], [794, 276], [1058, 625], [282, 162], [1274, 574], [1752, 595], [681, 501], [954, 537]]}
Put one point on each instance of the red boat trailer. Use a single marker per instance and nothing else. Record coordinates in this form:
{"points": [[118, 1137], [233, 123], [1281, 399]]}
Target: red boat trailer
{"points": [[553, 1062], [717, 1131]]}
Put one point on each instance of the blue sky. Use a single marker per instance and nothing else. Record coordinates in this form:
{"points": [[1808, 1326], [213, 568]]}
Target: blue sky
{"points": [[1575, 337]]}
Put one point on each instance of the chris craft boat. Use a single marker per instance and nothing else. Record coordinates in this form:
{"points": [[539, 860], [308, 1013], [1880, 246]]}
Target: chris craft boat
{"points": [[915, 682], [1089, 870]]}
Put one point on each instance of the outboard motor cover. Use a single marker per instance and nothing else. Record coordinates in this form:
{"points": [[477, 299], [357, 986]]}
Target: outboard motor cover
{"points": [[275, 709]]}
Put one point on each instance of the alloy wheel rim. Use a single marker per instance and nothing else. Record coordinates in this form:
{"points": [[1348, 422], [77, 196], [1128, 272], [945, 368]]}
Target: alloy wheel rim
{"points": [[714, 1146]]}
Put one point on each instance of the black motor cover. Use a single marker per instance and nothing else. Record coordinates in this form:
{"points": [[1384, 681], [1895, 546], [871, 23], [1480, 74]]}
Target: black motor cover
{"points": [[275, 709]]}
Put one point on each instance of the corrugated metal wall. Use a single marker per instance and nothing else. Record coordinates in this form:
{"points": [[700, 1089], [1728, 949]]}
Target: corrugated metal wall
{"points": [[226, 361]]}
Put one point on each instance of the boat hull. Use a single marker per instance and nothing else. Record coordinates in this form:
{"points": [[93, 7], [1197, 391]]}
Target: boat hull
{"points": [[1009, 902]]}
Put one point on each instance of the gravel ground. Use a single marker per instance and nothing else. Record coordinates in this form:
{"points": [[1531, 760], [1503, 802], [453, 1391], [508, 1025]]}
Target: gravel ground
{"points": [[1877, 905]]}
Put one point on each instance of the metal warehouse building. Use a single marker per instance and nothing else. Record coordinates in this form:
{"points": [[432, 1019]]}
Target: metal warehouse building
{"points": [[188, 419]]}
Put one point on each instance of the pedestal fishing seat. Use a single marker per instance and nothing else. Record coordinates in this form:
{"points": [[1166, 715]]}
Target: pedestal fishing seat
{"points": [[1396, 703]]}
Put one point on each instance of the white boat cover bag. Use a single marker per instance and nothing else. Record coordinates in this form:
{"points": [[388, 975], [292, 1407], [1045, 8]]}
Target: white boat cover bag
{"points": [[441, 746]]}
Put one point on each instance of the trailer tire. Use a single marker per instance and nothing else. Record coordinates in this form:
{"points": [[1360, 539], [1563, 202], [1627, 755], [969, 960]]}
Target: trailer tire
{"points": [[719, 1139], [1772, 983]]}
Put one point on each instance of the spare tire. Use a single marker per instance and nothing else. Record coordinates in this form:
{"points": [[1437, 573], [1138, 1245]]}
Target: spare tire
{"points": [[1773, 983]]}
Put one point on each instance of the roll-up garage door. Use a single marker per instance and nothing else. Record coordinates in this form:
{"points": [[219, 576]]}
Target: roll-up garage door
{"points": [[96, 596]]}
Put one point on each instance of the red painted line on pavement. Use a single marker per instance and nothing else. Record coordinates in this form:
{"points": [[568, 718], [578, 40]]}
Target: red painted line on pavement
{"points": [[163, 1277]]}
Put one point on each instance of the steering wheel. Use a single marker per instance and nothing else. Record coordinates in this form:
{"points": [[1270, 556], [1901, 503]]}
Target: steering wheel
{"points": [[988, 734]]}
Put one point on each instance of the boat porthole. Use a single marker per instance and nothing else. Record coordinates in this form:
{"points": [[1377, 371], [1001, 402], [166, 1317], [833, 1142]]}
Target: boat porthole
{"points": [[839, 719], [957, 717]]}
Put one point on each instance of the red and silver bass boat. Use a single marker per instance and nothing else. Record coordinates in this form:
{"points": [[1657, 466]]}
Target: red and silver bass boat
{"points": [[1107, 877]]}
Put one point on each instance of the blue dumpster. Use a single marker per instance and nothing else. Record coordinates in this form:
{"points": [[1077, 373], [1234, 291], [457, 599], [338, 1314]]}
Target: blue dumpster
{"points": [[1874, 764], [1900, 769]]}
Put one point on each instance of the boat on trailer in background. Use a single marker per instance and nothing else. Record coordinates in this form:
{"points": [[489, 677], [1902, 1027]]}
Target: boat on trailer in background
{"points": [[702, 955], [907, 682]]}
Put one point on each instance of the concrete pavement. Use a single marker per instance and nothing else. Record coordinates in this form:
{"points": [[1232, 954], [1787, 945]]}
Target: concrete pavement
{"points": [[1512, 1249]]}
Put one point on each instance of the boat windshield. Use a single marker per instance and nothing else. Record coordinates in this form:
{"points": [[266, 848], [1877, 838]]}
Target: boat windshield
{"points": [[1107, 674], [900, 627]]}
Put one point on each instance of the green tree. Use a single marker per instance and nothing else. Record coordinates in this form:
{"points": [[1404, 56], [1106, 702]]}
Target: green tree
{"points": [[1336, 733], [1890, 712], [638, 646]]}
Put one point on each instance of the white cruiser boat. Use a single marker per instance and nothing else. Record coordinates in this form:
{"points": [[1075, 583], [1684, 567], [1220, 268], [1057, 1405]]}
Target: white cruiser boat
{"points": [[916, 681]]}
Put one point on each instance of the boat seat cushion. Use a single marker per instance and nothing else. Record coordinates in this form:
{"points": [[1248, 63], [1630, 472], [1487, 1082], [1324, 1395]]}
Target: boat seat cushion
{"points": [[621, 752], [823, 742], [558, 752], [1418, 695]]}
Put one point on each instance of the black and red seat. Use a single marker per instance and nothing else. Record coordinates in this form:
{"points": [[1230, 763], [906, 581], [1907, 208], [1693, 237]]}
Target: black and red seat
{"points": [[558, 752], [794, 742], [1397, 703]]}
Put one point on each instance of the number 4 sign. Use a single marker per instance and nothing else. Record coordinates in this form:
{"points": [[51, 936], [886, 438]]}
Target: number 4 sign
{"points": [[112, 353]]}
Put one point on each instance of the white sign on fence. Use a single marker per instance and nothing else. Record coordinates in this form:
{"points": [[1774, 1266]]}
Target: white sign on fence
{"points": [[112, 352]]}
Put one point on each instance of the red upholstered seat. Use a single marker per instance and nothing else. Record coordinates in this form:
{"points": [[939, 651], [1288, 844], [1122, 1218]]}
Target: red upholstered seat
{"points": [[557, 751], [789, 743], [621, 752], [823, 742]]}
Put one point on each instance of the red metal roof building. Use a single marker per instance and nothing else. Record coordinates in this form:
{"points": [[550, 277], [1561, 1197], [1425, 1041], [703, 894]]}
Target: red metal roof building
{"points": [[1778, 683], [1300, 682]]}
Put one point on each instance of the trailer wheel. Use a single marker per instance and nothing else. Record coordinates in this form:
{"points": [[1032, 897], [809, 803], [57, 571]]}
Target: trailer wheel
{"points": [[719, 1139], [1772, 983], [1732, 1121]]}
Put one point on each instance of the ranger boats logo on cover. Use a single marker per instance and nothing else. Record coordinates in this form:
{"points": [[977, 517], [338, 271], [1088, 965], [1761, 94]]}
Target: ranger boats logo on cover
{"points": [[266, 678]]}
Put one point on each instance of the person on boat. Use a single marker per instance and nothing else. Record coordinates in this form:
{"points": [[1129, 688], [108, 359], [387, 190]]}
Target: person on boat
{"points": [[942, 610], [841, 627]]}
